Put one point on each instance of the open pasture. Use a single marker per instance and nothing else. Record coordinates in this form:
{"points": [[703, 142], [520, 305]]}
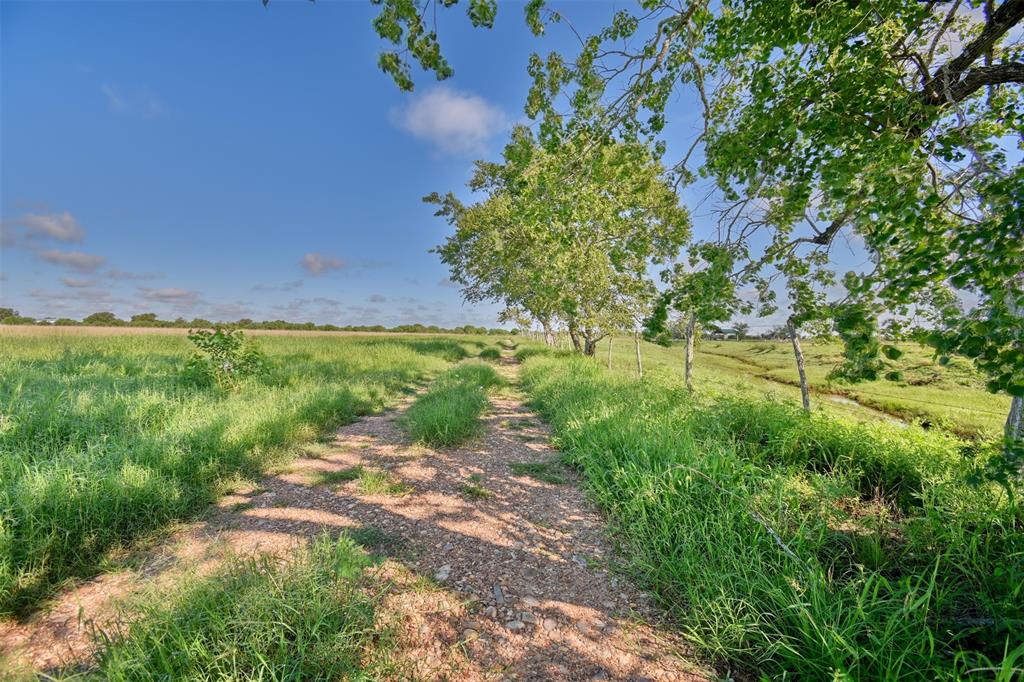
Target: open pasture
{"points": [[952, 397], [103, 439]]}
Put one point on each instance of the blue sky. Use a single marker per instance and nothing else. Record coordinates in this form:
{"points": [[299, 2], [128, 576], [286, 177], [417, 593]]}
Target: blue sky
{"points": [[226, 160]]}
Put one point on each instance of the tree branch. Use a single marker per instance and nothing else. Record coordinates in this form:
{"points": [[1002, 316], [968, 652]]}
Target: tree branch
{"points": [[1009, 14]]}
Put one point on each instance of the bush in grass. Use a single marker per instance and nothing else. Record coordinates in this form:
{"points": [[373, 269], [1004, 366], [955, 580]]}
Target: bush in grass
{"points": [[490, 353], [260, 619], [223, 357], [748, 522], [449, 412]]}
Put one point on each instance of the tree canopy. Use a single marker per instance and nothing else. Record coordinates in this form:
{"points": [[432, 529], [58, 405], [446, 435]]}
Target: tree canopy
{"points": [[567, 233]]}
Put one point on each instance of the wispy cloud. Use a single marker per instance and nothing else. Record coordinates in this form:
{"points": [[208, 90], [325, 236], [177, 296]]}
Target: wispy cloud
{"points": [[377, 298], [144, 103], [181, 297], [455, 122], [445, 282], [126, 275], [75, 283], [284, 286], [317, 264], [76, 260]]}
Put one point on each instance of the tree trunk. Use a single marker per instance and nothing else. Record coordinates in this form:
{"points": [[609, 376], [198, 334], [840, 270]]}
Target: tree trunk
{"points": [[549, 336], [691, 328], [1015, 420], [1014, 429], [639, 363], [805, 394], [574, 334], [590, 346], [609, 352]]}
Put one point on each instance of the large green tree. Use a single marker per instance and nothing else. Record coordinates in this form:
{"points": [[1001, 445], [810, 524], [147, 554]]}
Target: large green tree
{"points": [[567, 234]]}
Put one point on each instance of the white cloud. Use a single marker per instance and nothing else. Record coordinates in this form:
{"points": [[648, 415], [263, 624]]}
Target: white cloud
{"points": [[317, 264], [76, 260], [377, 298], [456, 122], [60, 226]]}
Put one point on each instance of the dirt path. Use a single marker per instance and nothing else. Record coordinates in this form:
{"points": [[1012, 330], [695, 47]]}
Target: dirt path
{"points": [[520, 583]]}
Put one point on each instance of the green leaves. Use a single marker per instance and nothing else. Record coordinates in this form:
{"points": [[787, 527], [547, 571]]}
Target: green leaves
{"points": [[567, 233], [892, 352], [401, 23], [224, 357]]}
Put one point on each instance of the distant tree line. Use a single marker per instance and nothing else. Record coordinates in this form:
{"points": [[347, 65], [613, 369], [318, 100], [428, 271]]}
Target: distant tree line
{"points": [[109, 319]]}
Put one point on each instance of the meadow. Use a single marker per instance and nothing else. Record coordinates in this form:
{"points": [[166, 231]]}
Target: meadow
{"points": [[847, 542], [841, 549], [104, 440], [952, 397]]}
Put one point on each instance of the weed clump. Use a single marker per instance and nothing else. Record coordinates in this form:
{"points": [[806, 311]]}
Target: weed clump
{"points": [[490, 353], [473, 490], [449, 412]]}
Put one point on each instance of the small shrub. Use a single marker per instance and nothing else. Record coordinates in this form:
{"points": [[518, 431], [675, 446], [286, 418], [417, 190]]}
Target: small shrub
{"points": [[224, 357]]}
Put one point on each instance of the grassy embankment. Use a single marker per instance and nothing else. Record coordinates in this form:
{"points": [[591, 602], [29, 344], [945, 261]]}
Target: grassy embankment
{"points": [[102, 441], [813, 547], [952, 397]]}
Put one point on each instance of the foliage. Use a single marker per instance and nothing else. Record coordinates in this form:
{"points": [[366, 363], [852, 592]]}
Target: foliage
{"points": [[449, 412], [152, 321], [490, 353], [567, 233], [258, 619], [100, 444], [891, 120], [106, 319], [224, 357], [814, 574], [402, 23], [704, 288]]}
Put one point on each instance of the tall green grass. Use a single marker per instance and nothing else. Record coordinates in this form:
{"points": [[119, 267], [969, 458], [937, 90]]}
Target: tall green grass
{"points": [[491, 353], [261, 619], [449, 412], [798, 547], [102, 441]]}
